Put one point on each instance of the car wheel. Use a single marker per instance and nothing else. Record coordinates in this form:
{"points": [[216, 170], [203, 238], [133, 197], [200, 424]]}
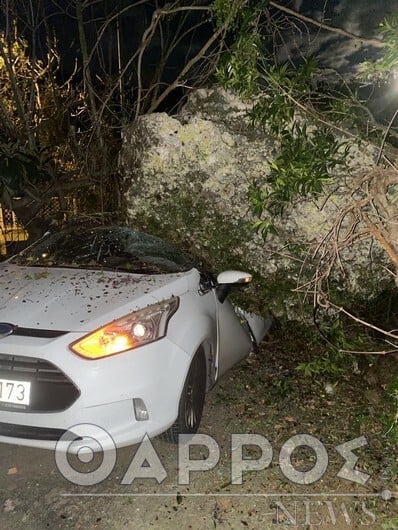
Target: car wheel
{"points": [[191, 401]]}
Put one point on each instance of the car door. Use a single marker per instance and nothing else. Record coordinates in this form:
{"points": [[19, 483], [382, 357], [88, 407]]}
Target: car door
{"points": [[234, 342]]}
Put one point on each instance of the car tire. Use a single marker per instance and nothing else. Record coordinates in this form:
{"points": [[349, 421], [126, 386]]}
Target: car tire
{"points": [[191, 401]]}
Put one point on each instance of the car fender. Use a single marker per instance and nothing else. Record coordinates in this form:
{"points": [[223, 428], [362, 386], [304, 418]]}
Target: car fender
{"points": [[202, 335]]}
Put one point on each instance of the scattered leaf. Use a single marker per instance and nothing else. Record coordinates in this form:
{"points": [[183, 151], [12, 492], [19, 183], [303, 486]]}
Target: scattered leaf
{"points": [[8, 506]]}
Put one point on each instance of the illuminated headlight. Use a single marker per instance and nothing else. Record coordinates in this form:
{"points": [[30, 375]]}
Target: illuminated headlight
{"points": [[133, 330]]}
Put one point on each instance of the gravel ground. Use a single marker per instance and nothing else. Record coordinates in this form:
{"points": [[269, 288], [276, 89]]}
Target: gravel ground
{"points": [[265, 395]]}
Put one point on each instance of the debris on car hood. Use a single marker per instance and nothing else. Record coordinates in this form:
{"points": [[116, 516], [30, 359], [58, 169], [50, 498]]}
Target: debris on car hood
{"points": [[64, 299]]}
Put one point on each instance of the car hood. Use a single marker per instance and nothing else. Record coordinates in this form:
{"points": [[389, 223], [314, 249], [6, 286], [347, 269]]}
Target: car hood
{"points": [[77, 299]]}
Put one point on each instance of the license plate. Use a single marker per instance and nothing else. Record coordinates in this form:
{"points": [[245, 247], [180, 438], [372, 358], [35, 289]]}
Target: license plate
{"points": [[17, 392]]}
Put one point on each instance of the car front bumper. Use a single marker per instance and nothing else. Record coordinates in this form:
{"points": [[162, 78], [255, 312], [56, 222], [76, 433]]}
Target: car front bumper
{"points": [[154, 373]]}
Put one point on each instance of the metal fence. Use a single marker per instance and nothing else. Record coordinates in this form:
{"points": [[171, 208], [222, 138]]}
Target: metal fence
{"points": [[10, 230]]}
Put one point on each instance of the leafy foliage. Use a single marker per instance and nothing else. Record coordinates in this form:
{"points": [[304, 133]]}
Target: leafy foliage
{"points": [[237, 69], [46, 136], [78, 125], [332, 362], [285, 89], [227, 12], [307, 155], [302, 166], [391, 524], [387, 64]]}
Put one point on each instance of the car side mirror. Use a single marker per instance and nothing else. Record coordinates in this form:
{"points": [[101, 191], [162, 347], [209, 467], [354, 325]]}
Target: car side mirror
{"points": [[228, 279]]}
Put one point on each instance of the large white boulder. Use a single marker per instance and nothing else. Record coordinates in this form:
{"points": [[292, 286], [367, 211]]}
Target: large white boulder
{"points": [[188, 176]]}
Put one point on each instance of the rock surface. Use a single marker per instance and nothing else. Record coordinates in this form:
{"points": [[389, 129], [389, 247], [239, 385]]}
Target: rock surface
{"points": [[188, 177]]}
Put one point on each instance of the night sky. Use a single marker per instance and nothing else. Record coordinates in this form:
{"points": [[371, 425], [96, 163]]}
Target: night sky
{"points": [[342, 55], [336, 54], [361, 17]]}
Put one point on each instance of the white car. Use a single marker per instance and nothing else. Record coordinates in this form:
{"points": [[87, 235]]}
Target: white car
{"points": [[115, 328]]}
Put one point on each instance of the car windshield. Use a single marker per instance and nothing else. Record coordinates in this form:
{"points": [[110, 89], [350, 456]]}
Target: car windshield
{"points": [[110, 248]]}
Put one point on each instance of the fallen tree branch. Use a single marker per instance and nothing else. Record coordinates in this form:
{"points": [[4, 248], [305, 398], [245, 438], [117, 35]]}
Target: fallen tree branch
{"points": [[341, 309], [376, 233], [339, 31]]}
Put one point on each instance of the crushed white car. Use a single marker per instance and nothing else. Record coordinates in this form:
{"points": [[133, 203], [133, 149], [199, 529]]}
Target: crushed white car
{"points": [[116, 328]]}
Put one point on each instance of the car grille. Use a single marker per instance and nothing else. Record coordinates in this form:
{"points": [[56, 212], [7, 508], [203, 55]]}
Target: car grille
{"points": [[51, 390], [36, 433]]}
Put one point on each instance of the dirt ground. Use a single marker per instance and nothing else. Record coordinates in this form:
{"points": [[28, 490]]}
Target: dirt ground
{"points": [[264, 395]]}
